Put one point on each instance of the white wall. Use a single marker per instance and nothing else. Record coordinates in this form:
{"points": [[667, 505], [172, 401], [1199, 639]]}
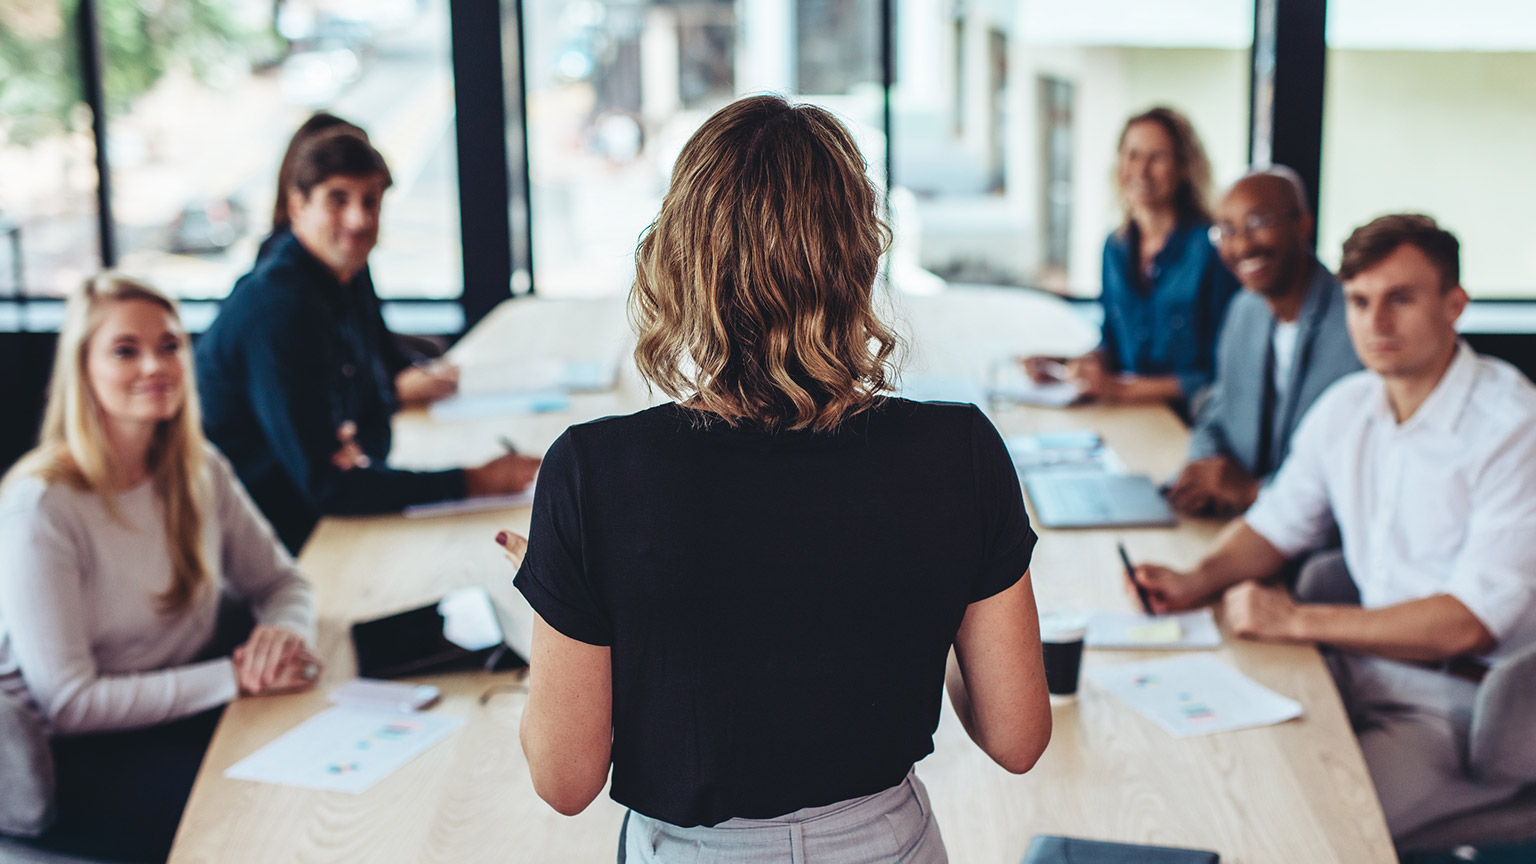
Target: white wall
{"points": [[1452, 135]]}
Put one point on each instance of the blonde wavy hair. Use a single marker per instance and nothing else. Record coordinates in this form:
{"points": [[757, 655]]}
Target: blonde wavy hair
{"points": [[754, 288], [72, 446]]}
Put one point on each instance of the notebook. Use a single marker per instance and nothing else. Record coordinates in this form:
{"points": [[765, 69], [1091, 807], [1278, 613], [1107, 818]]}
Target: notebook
{"points": [[1050, 849]]}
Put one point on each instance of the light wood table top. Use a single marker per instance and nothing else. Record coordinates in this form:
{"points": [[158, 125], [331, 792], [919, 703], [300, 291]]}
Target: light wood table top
{"points": [[1298, 791]]}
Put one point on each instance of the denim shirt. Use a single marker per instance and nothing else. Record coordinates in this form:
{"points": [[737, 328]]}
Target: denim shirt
{"points": [[1171, 329]]}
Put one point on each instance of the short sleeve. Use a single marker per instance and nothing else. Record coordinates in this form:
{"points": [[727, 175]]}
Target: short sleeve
{"points": [[1007, 538], [554, 577], [1495, 574], [1294, 513]]}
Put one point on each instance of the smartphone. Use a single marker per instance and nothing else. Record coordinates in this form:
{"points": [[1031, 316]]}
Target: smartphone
{"points": [[385, 695]]}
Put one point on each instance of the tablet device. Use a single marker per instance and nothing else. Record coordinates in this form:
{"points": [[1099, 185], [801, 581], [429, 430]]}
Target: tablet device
{"points": [[1050, 849], [460, 631]]}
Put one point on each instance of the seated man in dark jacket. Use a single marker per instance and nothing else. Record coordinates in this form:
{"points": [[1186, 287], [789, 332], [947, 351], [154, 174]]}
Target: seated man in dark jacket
{"points": [[1282, 343], [292, 374]]}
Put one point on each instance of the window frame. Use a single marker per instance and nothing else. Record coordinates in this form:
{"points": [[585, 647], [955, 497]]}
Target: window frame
{"points": [[1287, 68]]}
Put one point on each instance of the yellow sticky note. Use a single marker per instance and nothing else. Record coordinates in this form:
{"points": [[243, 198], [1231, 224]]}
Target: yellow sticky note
{"points": [[1156, 633]]}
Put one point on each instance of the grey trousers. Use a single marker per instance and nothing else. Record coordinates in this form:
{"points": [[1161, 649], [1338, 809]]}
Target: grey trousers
{"points": [[1413, 725], [891, 827]]}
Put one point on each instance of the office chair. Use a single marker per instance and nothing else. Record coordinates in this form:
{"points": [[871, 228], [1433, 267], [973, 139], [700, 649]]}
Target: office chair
{"points": [[1502, 743], [26, 763]]}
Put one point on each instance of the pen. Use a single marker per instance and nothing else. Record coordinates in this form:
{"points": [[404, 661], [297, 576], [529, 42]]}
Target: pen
{"points": [[507, 444], [1130, 573]]}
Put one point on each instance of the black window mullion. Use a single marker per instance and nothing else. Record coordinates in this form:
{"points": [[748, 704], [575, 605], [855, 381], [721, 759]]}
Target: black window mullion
{"points": [[887, 81], [89, 34], [1289, 57], [480, 117]]}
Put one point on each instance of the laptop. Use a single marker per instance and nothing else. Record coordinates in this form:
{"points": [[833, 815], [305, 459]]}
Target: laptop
{"points": [[1067, 498]]}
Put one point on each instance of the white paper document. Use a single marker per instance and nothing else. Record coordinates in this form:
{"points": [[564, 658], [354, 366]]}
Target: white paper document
{"points": [[586, 375], [1195, 629], [1010, 382], [470, 505], [1077, 449], [478, 406], [344, 749], [1194, 695]]}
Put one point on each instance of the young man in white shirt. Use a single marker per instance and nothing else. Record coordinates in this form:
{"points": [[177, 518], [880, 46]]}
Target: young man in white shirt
{"points": [[1426, 462]]}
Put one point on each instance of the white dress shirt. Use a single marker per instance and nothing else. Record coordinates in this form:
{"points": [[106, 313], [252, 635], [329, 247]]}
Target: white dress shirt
{"points": [[1444, 503], [1283, 344]]}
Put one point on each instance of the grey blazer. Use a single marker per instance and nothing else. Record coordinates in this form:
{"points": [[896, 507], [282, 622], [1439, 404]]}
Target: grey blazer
{"points": [[1230, 419]]}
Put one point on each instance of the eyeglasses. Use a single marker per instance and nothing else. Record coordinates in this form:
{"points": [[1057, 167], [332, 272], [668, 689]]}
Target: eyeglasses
{"points": [[1253, 223]]}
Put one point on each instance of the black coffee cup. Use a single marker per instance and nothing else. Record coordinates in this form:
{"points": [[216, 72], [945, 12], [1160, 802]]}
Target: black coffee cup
{"points": [[1061, 641]]}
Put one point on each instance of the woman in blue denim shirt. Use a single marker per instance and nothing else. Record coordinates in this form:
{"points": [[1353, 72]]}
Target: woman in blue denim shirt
{"points": [[1165, 291]]}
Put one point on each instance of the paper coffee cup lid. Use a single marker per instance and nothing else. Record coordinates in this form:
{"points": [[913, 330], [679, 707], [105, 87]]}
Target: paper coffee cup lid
{"points": [[1063, 626]]}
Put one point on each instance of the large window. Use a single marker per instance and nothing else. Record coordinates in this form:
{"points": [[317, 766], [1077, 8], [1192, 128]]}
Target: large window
{"points": [[1429, 110], [1006, 117], [201, 97], [48, 235], [615, 88]]}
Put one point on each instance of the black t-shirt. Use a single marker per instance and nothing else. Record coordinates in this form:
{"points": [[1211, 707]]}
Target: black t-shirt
{"points": [[780, 606]]}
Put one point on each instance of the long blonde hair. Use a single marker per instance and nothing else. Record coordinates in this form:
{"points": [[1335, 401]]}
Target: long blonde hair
{"points": [[72, 447], [753, 294]]}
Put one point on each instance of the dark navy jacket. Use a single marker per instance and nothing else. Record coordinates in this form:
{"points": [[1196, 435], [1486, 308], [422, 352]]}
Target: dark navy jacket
{"points": [[1172, 328], [293, 355]]}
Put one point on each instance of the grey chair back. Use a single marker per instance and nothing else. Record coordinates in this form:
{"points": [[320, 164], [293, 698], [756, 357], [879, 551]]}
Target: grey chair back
{"points": [[26, 763], [1502, 744]]}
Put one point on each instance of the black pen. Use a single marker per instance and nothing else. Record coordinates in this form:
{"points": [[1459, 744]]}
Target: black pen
{"points": [[508, 445], [1130, 573]]}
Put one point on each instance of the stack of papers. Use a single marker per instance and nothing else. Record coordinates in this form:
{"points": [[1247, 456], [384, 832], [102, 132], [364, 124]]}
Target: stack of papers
{"points": [[589, 375], [1011, 383], [524, 387], [1194, 695], [344, 749], [1078, 449], [470, 406]]}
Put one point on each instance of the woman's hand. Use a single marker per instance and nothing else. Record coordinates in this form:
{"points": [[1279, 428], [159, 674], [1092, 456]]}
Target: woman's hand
{"points": [[274, 660], [1093, 378], [514, 545], [1045, 370], [427, 382]]}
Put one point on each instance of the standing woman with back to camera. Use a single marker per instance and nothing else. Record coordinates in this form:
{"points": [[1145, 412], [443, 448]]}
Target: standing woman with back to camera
{"points": [[119, 534], [747, 598]]}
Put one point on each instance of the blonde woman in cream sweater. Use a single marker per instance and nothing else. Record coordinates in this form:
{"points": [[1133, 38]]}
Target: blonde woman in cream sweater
{"points": [[119, 533]]}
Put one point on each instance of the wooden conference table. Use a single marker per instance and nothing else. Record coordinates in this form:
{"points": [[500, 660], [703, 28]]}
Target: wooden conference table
{"points": [[1298, 791]]}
